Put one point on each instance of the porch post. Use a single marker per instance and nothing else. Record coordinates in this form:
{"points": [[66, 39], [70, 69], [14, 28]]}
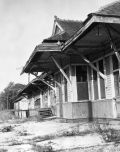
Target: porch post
{"points": [[111, 40], [64, 74], [91, 65]]}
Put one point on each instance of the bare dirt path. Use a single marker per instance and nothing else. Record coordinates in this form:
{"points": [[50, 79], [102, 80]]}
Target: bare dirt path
{"points": [[23, 136]]}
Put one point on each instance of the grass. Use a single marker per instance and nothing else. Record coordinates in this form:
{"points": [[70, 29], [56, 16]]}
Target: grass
{"points": [[43, 138], [99, 148], [6, 115], [38, 148]]}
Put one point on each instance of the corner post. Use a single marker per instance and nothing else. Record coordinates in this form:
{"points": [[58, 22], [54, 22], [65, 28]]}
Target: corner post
{"points": [[64, 74]]}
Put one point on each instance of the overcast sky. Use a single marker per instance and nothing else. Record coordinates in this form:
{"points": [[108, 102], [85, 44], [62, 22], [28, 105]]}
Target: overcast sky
{"points": [[25, 23]]}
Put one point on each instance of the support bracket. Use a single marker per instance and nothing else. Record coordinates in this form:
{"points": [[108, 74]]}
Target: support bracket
{"points": [[38, 87], [64, 74], [91, 64], [61, 70], [49, 75], [111, 40], [44, 81]]}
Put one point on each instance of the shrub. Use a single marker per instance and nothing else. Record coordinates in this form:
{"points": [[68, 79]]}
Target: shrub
{"points": [[6, 115], [108, 134]]}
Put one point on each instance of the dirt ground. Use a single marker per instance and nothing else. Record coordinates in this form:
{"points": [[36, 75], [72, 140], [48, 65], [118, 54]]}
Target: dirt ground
{"points": [[30, 136]]}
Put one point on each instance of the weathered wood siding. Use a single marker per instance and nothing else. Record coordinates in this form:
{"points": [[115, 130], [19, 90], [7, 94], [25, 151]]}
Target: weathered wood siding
{"points": [[74, 85], [108, 75], [45, 99], [67, 110], [53, 102], [23, 104], [88, 109], [31, 103]]}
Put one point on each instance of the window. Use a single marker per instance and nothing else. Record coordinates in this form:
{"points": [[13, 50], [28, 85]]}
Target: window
{"points": [[116, 83], [82, 84], [98, 81], [115, 62], [37, 102], [95, 84], [81, 73], [57, 30], [116, 75], [102, 81]]}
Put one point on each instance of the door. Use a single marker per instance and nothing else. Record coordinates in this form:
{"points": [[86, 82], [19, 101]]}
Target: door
{"points": [[82, 84]]}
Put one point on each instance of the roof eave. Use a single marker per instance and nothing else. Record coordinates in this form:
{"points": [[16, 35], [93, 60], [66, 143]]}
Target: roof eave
{"points": [[56, 47], [92, 17]]}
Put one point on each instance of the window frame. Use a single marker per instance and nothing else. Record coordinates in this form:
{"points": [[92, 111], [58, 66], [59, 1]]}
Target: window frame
{"points": [[98, 79], [114, 71]]}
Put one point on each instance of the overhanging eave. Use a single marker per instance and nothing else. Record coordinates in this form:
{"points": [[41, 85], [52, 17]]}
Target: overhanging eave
{"points": [[39, 52], [92, 18]]}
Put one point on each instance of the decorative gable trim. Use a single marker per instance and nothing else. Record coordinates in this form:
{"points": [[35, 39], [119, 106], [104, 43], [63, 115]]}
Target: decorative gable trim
{"points": [[55, 26]]}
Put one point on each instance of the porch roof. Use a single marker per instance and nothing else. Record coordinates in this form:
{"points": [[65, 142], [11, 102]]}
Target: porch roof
{"points": [[92, 37], [89, 39], [18, 99], [33, 87], [41, 56]]}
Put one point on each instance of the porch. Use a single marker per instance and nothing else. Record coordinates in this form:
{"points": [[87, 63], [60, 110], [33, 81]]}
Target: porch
{"points": [[85, 69]]}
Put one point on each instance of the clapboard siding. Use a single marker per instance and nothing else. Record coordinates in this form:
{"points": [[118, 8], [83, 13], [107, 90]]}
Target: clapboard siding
{"points": [[108, 74], [73, 79]]}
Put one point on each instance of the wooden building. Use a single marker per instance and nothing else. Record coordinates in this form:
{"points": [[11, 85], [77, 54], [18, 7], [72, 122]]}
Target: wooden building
{"points": [[21, 107], [85, 62], [34, 97]]}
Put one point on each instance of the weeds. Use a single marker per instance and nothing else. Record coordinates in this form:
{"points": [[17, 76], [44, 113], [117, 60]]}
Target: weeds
{"points": [[38, 148], [43, 138], [108, 134], [6, 115]]}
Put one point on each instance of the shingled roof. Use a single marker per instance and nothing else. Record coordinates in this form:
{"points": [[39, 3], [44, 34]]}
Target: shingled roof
{"points": [[69, 28], [110, 9]]}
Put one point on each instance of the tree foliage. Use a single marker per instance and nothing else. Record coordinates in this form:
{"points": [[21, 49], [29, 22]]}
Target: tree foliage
{"points": [[8, 95]]}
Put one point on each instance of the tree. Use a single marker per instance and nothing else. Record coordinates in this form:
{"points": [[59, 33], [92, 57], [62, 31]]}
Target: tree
{"points": [[8, 95]]}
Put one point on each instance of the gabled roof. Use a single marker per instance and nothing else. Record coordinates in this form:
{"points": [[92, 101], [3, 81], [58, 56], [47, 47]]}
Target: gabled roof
{"points": [[18, 99], [110, 9], [68, 28]]}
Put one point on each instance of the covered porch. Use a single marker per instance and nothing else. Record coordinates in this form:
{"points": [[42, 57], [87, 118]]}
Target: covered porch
{"points": [[85, 69]]}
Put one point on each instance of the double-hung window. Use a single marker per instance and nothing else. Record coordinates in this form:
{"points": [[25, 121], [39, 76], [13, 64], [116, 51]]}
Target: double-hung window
{"points": [[116, 75]]}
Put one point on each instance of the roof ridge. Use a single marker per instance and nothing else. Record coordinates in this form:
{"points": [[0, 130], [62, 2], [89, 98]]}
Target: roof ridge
{"points": [[59, 19], [59, 34], [107, 5]]}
